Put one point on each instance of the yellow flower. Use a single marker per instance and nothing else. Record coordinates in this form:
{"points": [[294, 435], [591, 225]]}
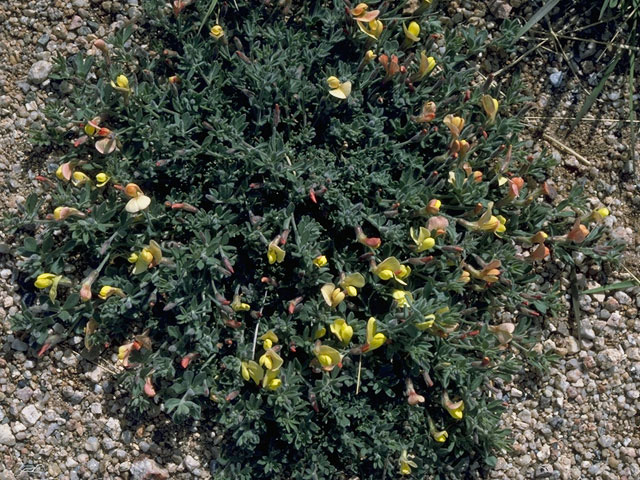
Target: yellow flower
{"points": [[327, 357], [150, 256], [369, 55], [271, 360], [374, 339], [79, 178], [412, 32], [455, 409], [146, 255], [439, 436], [351, 283], [455, 124], [339, 89], [427, 64], [320, 261], [332, 295], [402, 298], [107, 291], [124, 351], [487, 222], [391, 268], [92, 126], [490, 106], [274, 252], [539, 237], [373, 29], [139, 201], [268, 339], [429, 320], [271, 380], [251, 371], [133, 258], [216, 32], [102, 179], [59, 173], [121, 84], [44, 280], [341, 330], [319, 333], [51, 281], [599, 214], [406, 464], [238, 306], [61, 213], [423, 240], [464, 277]]}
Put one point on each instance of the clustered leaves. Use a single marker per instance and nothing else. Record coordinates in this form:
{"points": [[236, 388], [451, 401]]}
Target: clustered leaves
{"points": [[301, 220]]}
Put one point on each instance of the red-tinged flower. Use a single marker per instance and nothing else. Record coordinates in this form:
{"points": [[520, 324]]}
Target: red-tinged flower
{"points": [[184, 362], [149, 391], [412, 397], [361, 13], [540, 253], [62, 213], [391, 66], [294, 305], [515, 185], [438, 225], [373, 242], [179, 5], [101, 45], [578, 233], [51, 341]]}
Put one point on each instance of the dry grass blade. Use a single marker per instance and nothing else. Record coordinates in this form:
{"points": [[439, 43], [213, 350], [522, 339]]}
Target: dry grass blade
{"points": [[632, 117], [539, 15], [566, 148]]}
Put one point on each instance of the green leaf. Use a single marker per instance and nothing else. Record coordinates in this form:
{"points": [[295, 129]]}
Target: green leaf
{"points": [[71, 301], [612, 287], [31, 203], [30, 245]]}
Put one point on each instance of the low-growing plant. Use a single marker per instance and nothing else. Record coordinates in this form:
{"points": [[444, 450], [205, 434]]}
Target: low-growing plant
{"points": [[304, 222]]}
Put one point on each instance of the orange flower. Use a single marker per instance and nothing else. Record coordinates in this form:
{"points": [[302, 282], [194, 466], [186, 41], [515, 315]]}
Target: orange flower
{"points": [[578, 233], [391, 66], [361, 13]]}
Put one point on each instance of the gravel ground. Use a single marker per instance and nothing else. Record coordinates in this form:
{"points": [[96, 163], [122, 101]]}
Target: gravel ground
{"points": [[63, 417]]}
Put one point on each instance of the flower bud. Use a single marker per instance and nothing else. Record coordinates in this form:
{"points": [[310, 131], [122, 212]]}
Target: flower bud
{"points": [[369, 56], [433, 207]]}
